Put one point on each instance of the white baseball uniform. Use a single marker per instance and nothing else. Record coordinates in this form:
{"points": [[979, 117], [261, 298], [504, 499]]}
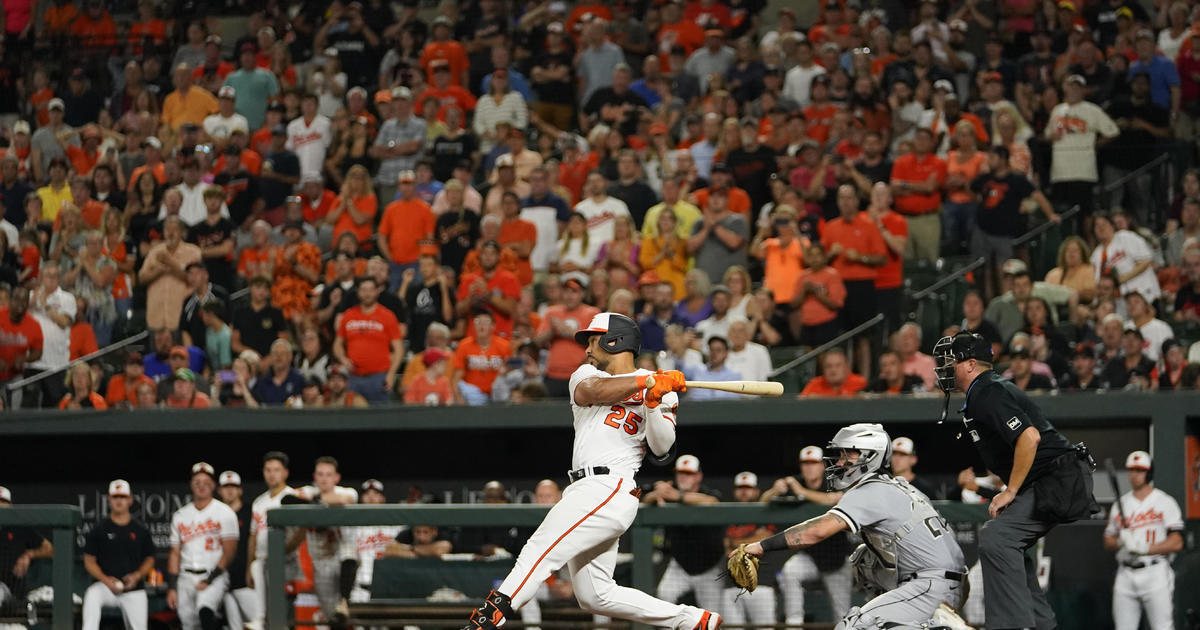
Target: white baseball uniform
{"points": [[371, 542], [262, 504], [328, 547], [1145, 582], [581, 530], [199, 535]]}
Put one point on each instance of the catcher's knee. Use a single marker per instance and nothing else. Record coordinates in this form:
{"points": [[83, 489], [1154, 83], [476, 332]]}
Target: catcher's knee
{"points": [[495, 611]]}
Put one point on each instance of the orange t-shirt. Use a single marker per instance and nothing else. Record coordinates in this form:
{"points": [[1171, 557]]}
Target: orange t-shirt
{"points": [[119, 254], [455, 95], [154, 32], [891, 274], [783, 265], [812, 311], [120, 391], [345, 223], [821, 387], [480, 366], [423, 392], [368, 338], [565, 355], [968, 169], [81, 160], [360, 268], [819, 118], [58, 18], [405, 224], [95, 33], [97, 401], [254, 261], [40, 100], [683, 33], [516, 231], [83, 340], [198, 401], [451, 51], [861, 235], [739, 200], [312, 213], [908, 168], [502, 280]]}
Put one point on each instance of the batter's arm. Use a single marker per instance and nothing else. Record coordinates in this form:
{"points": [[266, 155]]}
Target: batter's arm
{"points": [[607, 391]]}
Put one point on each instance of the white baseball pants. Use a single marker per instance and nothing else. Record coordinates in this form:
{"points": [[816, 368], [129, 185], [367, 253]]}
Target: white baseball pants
{"points": [[132, 605], [192, 600], [800, 568], [241, 606], [581, 531], [1150, 589], [755, 609]]}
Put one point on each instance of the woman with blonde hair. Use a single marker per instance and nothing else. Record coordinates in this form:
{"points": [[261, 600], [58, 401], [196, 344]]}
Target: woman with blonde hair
{"points": [[81, 389], [666, 254], [737, 280], [354, 210], [575, 251], [1074, 269], [1010, 130]]}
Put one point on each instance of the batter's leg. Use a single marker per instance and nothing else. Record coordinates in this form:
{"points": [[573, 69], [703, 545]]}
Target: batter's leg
{"points": [[1126, 607], [1159, 601], [674, 582], [598, 592]]}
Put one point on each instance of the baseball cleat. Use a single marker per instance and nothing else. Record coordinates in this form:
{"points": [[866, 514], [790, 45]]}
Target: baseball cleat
{"points": [[708, 621]]}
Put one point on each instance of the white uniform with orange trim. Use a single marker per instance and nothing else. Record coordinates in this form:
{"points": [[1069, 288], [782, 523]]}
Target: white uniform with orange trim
{"points": [[581, 530], [199, 535], [1145, 582]]}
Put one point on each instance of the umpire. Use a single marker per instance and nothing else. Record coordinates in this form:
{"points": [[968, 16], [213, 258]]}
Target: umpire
{"points": [[1049, 480]]}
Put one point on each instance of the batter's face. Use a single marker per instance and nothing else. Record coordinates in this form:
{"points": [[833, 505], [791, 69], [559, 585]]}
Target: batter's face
{"points": [[274, 473], [596, 355], [326, 477], [202, 487]]}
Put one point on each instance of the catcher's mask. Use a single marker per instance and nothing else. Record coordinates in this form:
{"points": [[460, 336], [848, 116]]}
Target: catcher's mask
{"points": [[874, 448]]}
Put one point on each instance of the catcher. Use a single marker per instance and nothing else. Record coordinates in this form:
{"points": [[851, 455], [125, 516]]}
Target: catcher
{"points": [[909, 556]]}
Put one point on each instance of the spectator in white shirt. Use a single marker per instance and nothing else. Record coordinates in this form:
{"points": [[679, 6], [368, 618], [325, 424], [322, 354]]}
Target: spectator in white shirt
{"points": [[1125, 256], [1141, 316], [751, 360], [717, 324], [599, 209], [191, 193], [222, 123], [310, 135], [54, 309], [797, 83]]}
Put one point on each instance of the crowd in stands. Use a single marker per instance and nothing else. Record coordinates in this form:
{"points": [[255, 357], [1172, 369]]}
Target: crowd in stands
{"points": [[362, 203]]}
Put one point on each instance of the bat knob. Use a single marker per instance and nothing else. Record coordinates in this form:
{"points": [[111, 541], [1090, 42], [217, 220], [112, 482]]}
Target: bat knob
{"points": [[650, 382]]}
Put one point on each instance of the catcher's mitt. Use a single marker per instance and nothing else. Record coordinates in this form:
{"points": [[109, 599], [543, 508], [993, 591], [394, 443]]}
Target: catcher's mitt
{"points": [[743, 569]]}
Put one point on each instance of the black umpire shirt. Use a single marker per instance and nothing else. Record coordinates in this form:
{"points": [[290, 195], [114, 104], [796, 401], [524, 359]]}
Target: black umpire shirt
{"points": [[119, 549], [996, 414]]}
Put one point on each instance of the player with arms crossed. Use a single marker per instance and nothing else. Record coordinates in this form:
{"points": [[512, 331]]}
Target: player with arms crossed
{"points": [[616, 420], [910, 550], [204, 537], [1144, 530]]}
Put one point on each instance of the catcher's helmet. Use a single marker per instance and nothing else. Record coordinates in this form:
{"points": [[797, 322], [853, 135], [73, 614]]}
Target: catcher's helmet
{"points": [[875, 454], [620, 333], [950, 350]]}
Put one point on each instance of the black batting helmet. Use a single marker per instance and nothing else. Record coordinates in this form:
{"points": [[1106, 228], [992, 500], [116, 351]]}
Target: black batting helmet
{"points": [[950, 350], [620, 333]]}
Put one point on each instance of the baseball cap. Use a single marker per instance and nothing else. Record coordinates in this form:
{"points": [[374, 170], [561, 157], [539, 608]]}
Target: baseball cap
{"points": [[714, 32], [687, 464], [1067, 5], [279, 130], [373, 484], [135, 357], [151, 141], [406, 176], [1124, 12], [185, 374], [250, 47], [1138, 460], [293, 225], [720, 288], [79, 74], [812, 454], [993, 76], [1076, 78], [575, 283], [943, 84], [904, 446], [20, 127], [745, 479], [649, 277], [958, 25], [383, 96], [1144, 34], [433, 355], [230, 478], [56, 103], [5, 495], [178, 351], [204, 467], [721, 167], [119, 488], [505, 160], [356, 90], [337, 369], [401, 92], [1085, 349], [226, 91], [1014, 266], [437, 64]]}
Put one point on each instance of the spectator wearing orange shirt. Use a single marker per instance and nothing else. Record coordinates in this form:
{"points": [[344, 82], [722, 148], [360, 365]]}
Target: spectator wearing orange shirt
{"points": [[432, 387], [187, 103], [94, 30], [917, 179], [355, 209], [84, 157], [445, 91], [557, 332], [478, 360], [721, 177], [183, 392], [517, 235], [122, 388], [818, 297], [963, 164], [443, 47], [782, 255], [820, 111], [494, 289], [369, 343], [890, 277], [856, 251], [406, 222], [57, 19], [147, 30], [836, 379], [81, 389], [677, 31]]}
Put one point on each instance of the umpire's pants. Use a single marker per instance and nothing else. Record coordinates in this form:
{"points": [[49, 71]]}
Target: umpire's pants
{"points": [[1012, 596]]}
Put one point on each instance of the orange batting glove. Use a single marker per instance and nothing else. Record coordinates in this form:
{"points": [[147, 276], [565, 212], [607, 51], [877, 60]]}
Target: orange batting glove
{"points": [[665, 382]]}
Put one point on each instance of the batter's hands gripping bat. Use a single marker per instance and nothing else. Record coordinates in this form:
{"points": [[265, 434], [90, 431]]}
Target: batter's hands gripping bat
{"points": [[751, 388], [1112, 478]]}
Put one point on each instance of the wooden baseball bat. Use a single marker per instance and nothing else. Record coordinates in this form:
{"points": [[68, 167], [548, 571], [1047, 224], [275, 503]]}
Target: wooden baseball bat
{"points": [[750, 388]]}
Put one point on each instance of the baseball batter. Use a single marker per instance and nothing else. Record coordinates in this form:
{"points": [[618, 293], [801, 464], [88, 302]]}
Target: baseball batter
{"points": [[1145, 538], [204, 536], [617, 419], [912, 551]]}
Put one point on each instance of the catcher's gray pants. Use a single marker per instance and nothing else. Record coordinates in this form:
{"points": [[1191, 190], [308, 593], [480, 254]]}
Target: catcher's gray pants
{"points": [[800, 568], [913, 602], [1012, 596], [757, 608], [192, 600]]}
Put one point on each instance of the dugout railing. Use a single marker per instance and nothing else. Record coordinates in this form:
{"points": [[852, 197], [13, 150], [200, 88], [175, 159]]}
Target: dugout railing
{"points": [[61, 521]]}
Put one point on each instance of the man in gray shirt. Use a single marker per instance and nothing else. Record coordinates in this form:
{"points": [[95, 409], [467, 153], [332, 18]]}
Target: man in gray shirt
{"points": [[713, 58], [45, 141], [399, 145], [909, 548], [598, 59], [718, 240]]}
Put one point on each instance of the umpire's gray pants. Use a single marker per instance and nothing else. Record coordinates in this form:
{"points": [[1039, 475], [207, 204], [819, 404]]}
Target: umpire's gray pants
{"points": [[1012, 597], [911, 603]]}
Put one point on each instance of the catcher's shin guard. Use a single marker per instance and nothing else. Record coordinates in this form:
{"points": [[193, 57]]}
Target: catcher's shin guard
{"points": [[494, 612]]}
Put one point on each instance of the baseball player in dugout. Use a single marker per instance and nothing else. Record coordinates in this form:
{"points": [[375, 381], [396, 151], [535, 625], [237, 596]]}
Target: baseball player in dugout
{"points": [[1048, 481], [241, 603], [619, 419], [119, 553], [696, 559], [275, 476], [1146, 530], [910, 558], [204, 537]]}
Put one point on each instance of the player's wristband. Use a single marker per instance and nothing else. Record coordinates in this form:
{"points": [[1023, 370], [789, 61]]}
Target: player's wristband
{"points": [[214, 574], [640, 380], [774, 543], [172, 580]]}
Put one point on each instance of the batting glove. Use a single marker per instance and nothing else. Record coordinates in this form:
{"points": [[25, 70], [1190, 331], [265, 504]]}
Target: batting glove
{"points": [[1133, 542]]}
